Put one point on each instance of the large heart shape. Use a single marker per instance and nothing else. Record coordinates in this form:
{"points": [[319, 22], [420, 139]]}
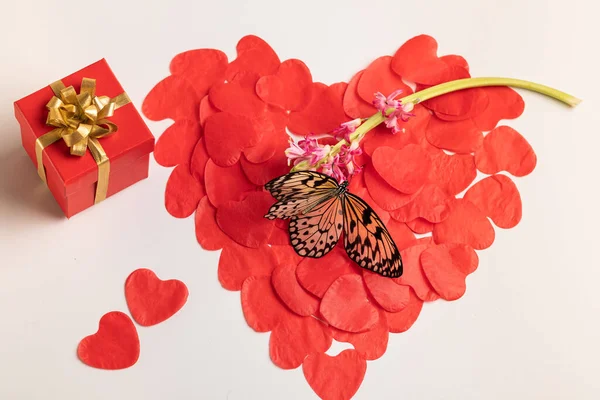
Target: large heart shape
{"points": [[115, 346], [151, 300], [335, 378], [358, 313], [244, 221], [290, 88]]}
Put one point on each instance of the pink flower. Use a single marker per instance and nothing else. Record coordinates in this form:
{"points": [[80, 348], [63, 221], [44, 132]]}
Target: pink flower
{"points": [[344, 164], [308, 150], [347, 128], [401, 111]]}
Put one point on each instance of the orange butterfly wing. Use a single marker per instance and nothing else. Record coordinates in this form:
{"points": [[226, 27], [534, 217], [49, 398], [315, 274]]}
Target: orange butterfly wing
{"points": [[315, 233], [366, 239]]}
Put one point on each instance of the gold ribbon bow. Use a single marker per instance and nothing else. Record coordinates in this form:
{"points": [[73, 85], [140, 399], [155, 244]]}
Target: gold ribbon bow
{"points": [[81, 120]]}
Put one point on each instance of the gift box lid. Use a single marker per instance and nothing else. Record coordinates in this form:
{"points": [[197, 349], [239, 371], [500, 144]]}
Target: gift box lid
{"points": [[132, 140]]}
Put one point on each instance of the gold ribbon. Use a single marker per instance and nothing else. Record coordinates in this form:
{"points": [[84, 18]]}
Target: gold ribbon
{"points": [[81, 120]]}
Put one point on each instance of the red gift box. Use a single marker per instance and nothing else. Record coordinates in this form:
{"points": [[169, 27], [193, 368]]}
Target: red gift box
{"points": [[73, 179]]}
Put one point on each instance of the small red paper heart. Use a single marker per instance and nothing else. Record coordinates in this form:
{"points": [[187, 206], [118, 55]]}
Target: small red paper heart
{"points": [[498, 197], [466, 224], [225, 184], [447, 280], [402, 320], [253, 55], [387, 293], [459, 136], [226, 135], [453, 173], [296, 337], [317, 274], [431, 203], [244, 220], [417, 61], [290, 88], [238, 263], [354, 105], [358, 314], [152, 300], [201, 67], [382, 193], [176, 144], [335, 378], [238, 96], [504, 103], [405, 170], [370, 344], [379, 77], [183, 192], [115, 346], [208, 233], [413, 274], [324, 113], [261, 306], [173, 98], [291, 293], [505, 149]]}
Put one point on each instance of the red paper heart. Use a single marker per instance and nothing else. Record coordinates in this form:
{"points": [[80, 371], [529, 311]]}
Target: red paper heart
{"points": [[238, 263], [431, 203], [173, 98], [260, 174], [225, 184], [335, 378], [176, 144], [226, 135], [402, 320], [466, 224], [379, 77], [262, 309], [238, 96], [452, 173], [417, 61], [370, 344], [151, 300], [405, 170], [413, 275], [384, 195], [447, 280], [459, 136], [290, 88], [208, 233], [183, 192], [244, 220], [201, 68], [505, 149], [324, 113], [317, 274], [354, 105], [253, 55], [206, 110], [291, 293], [498, 197], [358, 313], [504, 103], [115, 346], [387, 293], [296, 337]]}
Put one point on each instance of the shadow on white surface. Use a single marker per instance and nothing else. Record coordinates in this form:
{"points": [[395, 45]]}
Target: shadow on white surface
{"points": [[22, 192]]}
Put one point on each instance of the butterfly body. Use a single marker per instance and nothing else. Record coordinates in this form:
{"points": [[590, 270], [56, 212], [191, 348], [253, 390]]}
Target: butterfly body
{"points": [[320, 209]]}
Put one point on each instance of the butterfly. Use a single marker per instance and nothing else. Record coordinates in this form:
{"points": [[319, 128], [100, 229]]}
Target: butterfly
{"points": [[320, 209]]}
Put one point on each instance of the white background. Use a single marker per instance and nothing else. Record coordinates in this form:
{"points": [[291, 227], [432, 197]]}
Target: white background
{"points": [[528, 327]]}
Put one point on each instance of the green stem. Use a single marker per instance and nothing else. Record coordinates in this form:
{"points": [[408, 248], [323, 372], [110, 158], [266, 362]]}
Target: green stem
{"points": [[445, 88]]}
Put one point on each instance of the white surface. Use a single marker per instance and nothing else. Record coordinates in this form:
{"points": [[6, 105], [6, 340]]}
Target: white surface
{"points": [[528, 326]]}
